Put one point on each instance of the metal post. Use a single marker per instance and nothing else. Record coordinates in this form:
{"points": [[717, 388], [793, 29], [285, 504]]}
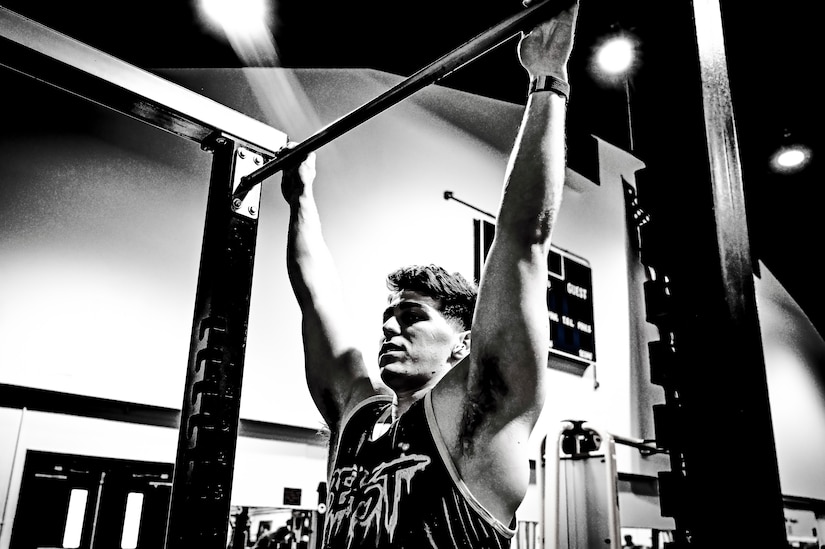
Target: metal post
{"points": [[709, 357], [202, 485]]}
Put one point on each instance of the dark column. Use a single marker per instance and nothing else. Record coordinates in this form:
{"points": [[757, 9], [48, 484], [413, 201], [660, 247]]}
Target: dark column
{"points": [[716, 421], [200, 504]]}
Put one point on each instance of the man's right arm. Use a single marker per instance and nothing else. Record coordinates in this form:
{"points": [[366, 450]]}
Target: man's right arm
{"points": [[335, 370]]}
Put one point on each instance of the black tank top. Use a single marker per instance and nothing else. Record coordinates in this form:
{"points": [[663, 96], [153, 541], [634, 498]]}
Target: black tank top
{"points": [[399, 488]]}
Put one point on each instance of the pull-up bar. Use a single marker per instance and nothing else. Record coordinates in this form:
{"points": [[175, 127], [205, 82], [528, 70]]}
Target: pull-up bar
{"points": [[469, 51]]}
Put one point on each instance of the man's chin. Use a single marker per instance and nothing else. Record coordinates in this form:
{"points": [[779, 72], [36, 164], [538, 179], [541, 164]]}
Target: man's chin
{"points": [[387, 372], [394, 377]]}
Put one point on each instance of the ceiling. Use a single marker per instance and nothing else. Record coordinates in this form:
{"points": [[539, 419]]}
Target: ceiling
{"points": [[771, 65]]}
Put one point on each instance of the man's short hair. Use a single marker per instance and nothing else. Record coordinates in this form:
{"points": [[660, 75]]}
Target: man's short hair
{"points": [[455, 294]]}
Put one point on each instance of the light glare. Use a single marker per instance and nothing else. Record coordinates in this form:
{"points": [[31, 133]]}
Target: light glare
{"points": [[614, 59], [616, 55], [790, 159], [235, 16]]}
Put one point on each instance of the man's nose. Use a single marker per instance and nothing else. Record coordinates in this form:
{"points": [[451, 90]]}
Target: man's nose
{"points": [[391, 326]]}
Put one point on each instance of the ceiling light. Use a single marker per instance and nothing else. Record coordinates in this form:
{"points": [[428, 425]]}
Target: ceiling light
{"points": [[790, 158], [615, 55], [614, 58]]}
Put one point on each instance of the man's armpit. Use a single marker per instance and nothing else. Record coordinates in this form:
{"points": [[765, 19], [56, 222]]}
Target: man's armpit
{"points": [[484, 399]]}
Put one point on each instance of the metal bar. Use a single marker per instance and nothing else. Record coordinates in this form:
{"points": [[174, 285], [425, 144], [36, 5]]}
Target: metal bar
{"points": [[448, 195], [469, 51], [12, 466], [551, 470], [58, 60], [723, 155], [713, 373], [96, 516], [746, 407], [613, 519], [641, 445], [207, 440]]}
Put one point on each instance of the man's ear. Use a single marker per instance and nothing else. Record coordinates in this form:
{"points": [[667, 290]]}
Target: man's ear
{"points": [[462, 347]]}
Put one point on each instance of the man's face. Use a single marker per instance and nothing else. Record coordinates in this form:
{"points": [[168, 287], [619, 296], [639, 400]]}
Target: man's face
{"points": [[418, 342]]}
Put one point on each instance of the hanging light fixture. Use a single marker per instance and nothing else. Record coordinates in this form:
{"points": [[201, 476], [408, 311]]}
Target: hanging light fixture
{"points": [[791, 156], [615, 58]]}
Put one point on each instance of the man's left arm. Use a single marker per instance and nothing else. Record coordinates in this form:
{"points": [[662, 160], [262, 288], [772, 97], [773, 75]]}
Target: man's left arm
{"points": [[488, 405], [511, 326], [510, 336]]}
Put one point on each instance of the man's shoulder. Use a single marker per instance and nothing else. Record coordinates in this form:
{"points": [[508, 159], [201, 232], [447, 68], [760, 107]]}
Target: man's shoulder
{"points": [[363, 392]]}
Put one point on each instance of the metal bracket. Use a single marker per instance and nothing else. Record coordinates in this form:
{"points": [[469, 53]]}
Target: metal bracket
{"points": [[246, 162]]}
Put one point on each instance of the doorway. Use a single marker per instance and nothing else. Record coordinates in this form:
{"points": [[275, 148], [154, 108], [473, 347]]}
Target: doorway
{"points": [[82, 502]]}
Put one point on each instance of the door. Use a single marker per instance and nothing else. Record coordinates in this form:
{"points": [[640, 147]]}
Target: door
{"points": [[83, 502]]}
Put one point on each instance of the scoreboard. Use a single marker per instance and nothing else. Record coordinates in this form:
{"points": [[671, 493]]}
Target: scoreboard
{"points": [[569, 298]]}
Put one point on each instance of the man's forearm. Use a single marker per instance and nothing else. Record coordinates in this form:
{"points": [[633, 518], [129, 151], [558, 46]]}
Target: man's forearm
{"points": [[535, 173], [309, 261]]}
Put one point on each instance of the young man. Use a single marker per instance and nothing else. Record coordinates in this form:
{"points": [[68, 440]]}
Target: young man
{"points": [[434, 453]]}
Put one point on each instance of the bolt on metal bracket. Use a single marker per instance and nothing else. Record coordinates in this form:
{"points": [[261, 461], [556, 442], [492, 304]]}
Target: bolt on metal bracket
{"points": [[246, 162]]}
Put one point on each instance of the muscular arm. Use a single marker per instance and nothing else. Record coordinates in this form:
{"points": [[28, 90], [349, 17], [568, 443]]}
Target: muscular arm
{"points": [[511, 329], [335, 370], [505, 378], [488, 406]]}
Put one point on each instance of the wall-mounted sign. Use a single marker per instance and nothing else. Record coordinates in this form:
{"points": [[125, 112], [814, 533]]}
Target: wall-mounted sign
{"points": [[569, 297]]}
